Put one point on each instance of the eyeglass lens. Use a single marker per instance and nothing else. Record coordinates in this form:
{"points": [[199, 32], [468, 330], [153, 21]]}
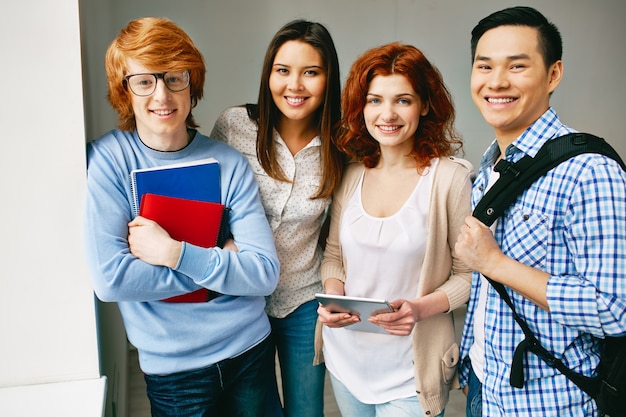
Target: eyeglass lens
{"points": [[145, 84]]}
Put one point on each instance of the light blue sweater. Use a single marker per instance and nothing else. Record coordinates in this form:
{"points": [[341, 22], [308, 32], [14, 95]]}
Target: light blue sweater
{"points": [[174, 337]]}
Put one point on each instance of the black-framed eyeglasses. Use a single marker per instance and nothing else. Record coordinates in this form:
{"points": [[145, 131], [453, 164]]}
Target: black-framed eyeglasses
{"points": [[144, 84]]}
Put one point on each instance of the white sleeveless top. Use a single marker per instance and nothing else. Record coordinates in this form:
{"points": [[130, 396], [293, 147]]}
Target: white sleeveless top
{"points": [[384, 257]]}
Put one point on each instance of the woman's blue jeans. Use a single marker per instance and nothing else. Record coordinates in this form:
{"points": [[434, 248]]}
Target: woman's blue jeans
{"points": [[302, 382], [350, 406], [232, 387]]}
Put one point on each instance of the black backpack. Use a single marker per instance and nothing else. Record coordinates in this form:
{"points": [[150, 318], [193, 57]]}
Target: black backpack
{"points": [[608, 388]]}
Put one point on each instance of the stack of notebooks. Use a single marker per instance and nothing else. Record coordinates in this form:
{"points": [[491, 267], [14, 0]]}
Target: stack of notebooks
{"points": [[185, 200]]}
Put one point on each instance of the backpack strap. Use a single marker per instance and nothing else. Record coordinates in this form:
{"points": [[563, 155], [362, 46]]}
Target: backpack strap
{"points": [[514, 179], [588, 384]]}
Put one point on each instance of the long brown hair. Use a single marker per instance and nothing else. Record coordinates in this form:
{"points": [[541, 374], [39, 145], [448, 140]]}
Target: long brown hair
{"points": [[154, 43], [435, 135], [266, 114]]}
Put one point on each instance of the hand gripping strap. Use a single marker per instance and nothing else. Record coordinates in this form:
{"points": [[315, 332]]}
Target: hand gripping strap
{"points": [[514, 179]]}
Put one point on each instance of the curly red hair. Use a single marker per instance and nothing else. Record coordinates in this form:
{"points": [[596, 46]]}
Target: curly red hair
{"points": [[155, 43], [435, 135]]}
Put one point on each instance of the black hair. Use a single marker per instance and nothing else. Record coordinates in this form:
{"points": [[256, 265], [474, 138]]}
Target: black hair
{"points": [[549, 37]]}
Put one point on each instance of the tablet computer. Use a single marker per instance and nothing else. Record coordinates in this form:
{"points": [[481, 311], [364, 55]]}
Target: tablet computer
{"points": [[363, 307]]}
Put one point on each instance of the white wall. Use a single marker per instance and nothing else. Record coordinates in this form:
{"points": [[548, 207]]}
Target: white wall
{"points": [[233, 36], [47, 320]]}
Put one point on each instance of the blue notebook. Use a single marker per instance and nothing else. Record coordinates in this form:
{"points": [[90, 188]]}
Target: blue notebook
{"points": [[195, 180]]}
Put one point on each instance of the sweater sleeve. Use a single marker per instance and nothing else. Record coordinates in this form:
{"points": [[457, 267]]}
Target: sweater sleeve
{"points": [[116, 274], [332, 264], [457, 207], [254, 269]]}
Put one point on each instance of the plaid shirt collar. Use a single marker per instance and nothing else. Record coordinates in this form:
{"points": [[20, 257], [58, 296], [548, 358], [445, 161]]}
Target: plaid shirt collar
{"points": [[545, 128]]}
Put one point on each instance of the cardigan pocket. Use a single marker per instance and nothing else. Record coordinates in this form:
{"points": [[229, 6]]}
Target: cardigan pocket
{"points": [[449, 363]]}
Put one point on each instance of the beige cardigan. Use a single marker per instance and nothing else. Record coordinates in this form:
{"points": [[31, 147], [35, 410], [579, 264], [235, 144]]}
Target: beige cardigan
{"points": [[435, 351]]}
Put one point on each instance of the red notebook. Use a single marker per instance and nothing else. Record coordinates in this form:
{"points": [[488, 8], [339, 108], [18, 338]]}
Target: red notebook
{"points": [[197, 222]]}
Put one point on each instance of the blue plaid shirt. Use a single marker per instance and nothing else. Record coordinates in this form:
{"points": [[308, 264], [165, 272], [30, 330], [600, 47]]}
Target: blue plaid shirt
{"points": [[570, 223]]}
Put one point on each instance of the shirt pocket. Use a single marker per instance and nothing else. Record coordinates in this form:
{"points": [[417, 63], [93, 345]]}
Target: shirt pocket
{"points": [[301, 208], [308, 187], [526, 237]]}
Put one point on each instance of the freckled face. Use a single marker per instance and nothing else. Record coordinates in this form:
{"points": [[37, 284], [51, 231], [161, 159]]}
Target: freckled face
{"points": [[392, 111], [298, 80]]}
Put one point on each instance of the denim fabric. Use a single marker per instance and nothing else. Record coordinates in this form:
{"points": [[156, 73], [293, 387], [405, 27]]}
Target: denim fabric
{"points": [[302, 383], [235, 387], [349, 406], [474, 405]]}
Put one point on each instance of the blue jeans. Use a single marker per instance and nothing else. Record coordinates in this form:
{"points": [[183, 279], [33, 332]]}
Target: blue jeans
{"points": [[302, 382], [349, 406], [232, 387], [474, 404]]}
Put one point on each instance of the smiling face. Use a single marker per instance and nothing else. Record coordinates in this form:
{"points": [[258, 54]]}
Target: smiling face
{"points": [[297, 81], [509, 83], [392, 112], [160, 117]]}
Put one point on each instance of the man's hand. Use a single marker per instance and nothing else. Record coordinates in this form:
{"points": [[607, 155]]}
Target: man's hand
{"points": [[152, 244], [477, 247]]}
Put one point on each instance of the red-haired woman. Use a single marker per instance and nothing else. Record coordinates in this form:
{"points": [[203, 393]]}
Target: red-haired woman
{"points": [[394, 221]]}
